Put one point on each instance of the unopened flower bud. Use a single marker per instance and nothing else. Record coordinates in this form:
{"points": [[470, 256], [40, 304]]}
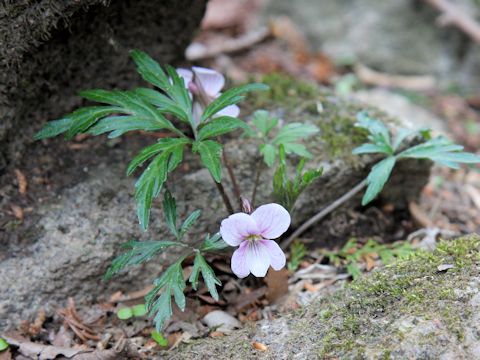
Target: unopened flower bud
{"points": [[193, 88], [246, 206]]}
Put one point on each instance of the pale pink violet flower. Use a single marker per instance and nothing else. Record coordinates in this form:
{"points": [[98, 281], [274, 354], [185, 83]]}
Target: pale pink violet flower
{"points": [[253, 235], [204, 86]]}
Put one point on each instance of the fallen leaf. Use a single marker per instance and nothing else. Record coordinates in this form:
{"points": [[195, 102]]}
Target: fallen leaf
{"points": [[277, 284], [40, 351], [216, 334], [17, 211], [184, 337], [309, 287], [6, 355], [22, 181], [250, 298], [260, 346]]}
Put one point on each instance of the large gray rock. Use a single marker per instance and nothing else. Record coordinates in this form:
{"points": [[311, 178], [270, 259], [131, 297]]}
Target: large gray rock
{"points": [[399, 37], [50, 50], [410, 310], [76, 231]]}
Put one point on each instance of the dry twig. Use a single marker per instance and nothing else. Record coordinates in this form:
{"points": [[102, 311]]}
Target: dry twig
{"points": [[74, 322], [452, 14], [408, 82], [198, 51]]}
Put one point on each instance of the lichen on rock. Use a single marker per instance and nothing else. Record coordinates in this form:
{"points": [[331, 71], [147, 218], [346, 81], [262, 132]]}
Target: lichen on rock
{"points": [[409, 309]]}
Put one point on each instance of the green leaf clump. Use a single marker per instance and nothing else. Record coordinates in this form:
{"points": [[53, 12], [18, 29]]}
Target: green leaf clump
{"points": [[297, 253], [162, 108], [287, 190], [288, 136], [171, 283], [440, 150]]}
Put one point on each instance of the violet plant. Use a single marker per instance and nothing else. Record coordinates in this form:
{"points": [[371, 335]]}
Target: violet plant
{"points": [[189, 105]]}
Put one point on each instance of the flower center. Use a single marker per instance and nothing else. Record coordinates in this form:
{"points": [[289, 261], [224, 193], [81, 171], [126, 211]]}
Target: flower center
{"points": [[253, 237]]}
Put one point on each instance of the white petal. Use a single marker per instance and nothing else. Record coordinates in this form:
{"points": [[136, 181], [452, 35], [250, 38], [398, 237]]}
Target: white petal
{"points": [[258, 260], [186, 75], [210, 80], [237, 227], [272, 220], [239, 261], [277, 256]]}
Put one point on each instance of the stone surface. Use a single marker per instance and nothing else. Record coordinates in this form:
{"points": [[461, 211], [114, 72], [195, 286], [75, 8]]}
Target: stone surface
{"points": [[405, 311], [400, 107], [398, 37], [50, 50], [69, 238]]}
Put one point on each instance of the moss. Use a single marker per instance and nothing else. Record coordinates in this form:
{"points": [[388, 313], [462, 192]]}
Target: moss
{"points": [[294, 100], [285, 90], [409, 304], [412, 287]]}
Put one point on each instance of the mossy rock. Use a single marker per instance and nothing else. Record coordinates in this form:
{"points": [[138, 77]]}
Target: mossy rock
{"points": [[408, 310], [71, 235]]}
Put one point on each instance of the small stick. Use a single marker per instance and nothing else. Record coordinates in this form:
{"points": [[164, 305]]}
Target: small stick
{"points": [[201, 52], [319, 216]]}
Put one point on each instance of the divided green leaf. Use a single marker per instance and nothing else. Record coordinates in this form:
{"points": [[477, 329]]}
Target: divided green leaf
{"points": [[158, 300], [170, 212], [219, 126], [286, 190], [211, 156], [137, 253], [230, 97], [377, 178], [213, 243], [201, 266]]}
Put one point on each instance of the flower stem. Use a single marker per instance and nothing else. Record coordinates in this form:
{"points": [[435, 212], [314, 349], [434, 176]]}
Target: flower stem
{"points": [[258, 172], [320, 215], [224, 195], [233, 179]]}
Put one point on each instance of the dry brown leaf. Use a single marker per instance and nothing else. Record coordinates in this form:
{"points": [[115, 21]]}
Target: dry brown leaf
{"points": [[216, 334], [309, 287], [76, 324], [259, 346], [22, 181], [370, 260], [6, 355], [35, 350], [78, 146], [277, 284], [248, 299], [17, 211]]}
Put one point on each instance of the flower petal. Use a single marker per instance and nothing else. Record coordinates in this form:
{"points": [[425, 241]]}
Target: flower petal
{"points": [[231, 110], [185, 74], [210, 80], [272, 220], [237, 227], [258, 260], [239, 261], [277, 256]]}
